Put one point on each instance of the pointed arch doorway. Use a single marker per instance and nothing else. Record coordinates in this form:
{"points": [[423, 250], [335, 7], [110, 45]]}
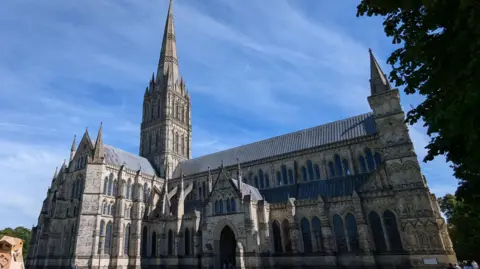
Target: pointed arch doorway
{"points": [[228, 246]]}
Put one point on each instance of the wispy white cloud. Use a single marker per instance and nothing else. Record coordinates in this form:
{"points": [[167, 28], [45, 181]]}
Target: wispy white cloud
{"points": [[255, 69]]}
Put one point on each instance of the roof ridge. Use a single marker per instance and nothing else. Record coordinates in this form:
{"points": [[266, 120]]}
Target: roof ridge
{"points": [[282, 135]]}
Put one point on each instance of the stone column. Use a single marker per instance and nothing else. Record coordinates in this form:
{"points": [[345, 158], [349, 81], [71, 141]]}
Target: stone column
{"points": [[362, 226], [294, 235], [162, 244]]}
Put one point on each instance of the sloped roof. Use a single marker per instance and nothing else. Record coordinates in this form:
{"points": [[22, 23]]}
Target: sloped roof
{"points": [[117, 156], [247, 189], [342, 130]]}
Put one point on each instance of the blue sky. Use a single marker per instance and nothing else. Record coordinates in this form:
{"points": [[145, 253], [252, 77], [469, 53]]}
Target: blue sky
{"points": [[255, 69]]}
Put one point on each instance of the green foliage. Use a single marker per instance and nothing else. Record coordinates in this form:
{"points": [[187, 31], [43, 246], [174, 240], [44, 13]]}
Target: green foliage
{"points": [[19, 232], [463, 226], [438, 56]]}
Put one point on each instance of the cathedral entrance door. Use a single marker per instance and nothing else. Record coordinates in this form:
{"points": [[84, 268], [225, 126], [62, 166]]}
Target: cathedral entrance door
{"points": [[228, 245]]}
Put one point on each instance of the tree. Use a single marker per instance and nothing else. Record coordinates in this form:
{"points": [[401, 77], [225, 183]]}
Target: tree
{"points": [[438, 56], [463, 226], [19, 232]]}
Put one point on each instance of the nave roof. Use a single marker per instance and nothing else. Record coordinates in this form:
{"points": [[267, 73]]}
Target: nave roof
{"points": [[131, 161]]}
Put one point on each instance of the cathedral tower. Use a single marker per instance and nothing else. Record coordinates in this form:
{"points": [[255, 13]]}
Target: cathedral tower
{"points": [[166, 128]]}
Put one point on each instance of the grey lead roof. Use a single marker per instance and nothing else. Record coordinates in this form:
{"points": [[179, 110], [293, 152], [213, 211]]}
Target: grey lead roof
{"points": [[117, 156], [247, 189], [346, 129]]}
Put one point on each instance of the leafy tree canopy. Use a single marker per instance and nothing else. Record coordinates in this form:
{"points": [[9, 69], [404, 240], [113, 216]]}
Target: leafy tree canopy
{"points": [[19, 232], [438, 56], [463, 226]]}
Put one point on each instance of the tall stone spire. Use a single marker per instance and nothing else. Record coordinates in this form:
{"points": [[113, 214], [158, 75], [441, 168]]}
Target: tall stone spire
{"points": [[378, 80], [73, 149], [99, 152], [168, 62]]}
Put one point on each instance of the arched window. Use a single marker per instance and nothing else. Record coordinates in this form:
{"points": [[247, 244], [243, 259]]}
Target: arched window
{"points": [[131, 212], [127, 189], [391, 228], [370, 162], [277, 238], [113, 210], [331, 168], [173, 140], [339, 231], [105, 186], [143, 248], [352, 232], [115, 186], [286, 235], [317, 233], [110, 182], [187, 242], [126, 243], [304, 173], [199, 192], [338, 166], [170, 242], [284, 174], [139, 192], [310, 170], [176, 142], [290, 176], [132, 191], [362, 163], [317, 171], [105, 208], [108, 238], [377, 231], [378, 159], [307, 237], [262, 182], [267, 181], [102, 228], [233, 206], [154, 244], [279, 178], [217, 207], [256, 182], [183, 146], [346, 168], [221, 206], [227, 202], [204, 190]]}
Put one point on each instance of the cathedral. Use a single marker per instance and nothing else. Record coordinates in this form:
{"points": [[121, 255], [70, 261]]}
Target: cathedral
{"points": [[345, 194]]}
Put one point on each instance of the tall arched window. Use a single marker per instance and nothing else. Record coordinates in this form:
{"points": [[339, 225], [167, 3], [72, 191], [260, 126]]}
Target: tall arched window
{"points": [[291, 179], [173, 140], [256, 182], [378, 159], [370, 162], [109, 187], [115, 187], [204, 190], [338, 166], [317, 233], [277, 237], [183, 145], [126, 243], [102, 233], [176, 142], [170, 242], [304, 173], [310, 170], [279, 178], [154, 244], [233, 206], [391, 228], [143, 248], [127, 189], [352, 232], [220, 206], [286, 236], [267, 181], [377, 231], [187, 242], [105, 208], [339, 231], [260, 176], [331, 168], [307, 237], [284, 174], [227, 202], [346, 168], [113, 210], [317, 171], [108, 238], [362, 163], [217, 207], [132, 191]]}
